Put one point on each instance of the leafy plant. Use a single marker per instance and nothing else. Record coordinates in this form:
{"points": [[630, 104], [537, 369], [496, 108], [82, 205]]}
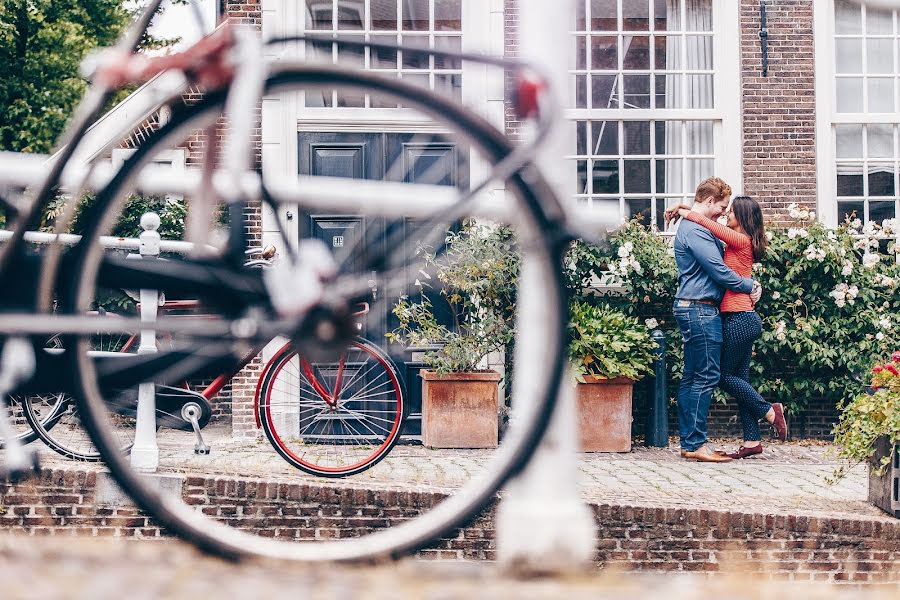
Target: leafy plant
{"points": [[607, 343], [476, 274], [869, 416]]}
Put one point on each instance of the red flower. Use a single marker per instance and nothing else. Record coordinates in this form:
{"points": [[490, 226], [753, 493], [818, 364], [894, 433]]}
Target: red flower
{"points": [[892, 369], [877, 369], [896, 356]]}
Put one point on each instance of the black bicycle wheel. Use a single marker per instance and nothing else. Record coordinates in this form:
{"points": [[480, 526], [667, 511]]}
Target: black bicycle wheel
{"points": [[541, 250], [332, 419]]}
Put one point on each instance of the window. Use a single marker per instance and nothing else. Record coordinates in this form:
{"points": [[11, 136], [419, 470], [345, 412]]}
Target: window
{"points": [[648, 116], [863, 157], [415, 23]]}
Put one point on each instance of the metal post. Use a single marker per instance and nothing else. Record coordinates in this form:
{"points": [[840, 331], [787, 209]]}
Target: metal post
{"points": [[542, 524], [145, 453], [658, 414]]}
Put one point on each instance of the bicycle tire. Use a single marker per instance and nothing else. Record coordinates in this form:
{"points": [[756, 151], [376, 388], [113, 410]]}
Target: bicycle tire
{"points": [[16, 413], [66, 435], [348, 428], [535, 212]]}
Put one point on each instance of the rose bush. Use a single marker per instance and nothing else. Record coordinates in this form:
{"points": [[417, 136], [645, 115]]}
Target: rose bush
{"points": [[830, 302]]}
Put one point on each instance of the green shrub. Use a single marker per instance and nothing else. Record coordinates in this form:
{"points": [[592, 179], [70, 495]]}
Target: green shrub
{"points": [[605, 342]]}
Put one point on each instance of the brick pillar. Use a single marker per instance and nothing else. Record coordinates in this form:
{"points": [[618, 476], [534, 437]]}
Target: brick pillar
{"points": [[779, 111], [243, 386], [511, 50]]}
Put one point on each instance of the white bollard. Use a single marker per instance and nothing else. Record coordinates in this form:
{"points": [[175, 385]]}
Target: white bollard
{"points": [[542, 525], [145, 452]]}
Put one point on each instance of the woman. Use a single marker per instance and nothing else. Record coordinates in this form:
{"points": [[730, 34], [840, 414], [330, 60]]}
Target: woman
{"points": [[745, 240]]}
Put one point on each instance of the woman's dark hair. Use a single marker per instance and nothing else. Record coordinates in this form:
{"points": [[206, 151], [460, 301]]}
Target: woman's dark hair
{"points": [[749, 216]]}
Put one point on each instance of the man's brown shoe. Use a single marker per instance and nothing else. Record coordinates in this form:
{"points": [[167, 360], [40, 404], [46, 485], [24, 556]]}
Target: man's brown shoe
{"points": [[704, 454], [721, 452]]}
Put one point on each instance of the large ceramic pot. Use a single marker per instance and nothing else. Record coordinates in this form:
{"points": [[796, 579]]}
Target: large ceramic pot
{"points": [[460, 410], [604, 414]]}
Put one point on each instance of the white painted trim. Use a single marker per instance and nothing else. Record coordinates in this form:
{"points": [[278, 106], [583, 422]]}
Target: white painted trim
{"points": [[729, 139], [823, 25], [364, 124]]}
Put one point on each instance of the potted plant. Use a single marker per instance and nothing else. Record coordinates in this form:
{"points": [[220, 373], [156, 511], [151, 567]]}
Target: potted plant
{"points": [[608, 351], [466, 315], [869, 430]]}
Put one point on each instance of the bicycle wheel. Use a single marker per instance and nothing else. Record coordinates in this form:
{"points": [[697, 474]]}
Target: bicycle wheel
{"points": [[55, 420], [332, 419], [540, 248], [16, 416]]}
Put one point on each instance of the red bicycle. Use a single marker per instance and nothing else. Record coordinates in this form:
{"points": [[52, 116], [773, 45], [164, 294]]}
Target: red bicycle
{"points": [[327, 418]]}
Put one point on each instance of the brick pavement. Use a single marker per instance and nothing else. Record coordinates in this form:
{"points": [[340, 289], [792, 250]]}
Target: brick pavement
{"points": [[786, 478]]}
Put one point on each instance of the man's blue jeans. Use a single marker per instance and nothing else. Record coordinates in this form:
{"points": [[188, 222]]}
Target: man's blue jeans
{"points": [[701, 330]]}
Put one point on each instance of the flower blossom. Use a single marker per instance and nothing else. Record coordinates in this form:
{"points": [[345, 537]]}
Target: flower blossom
{"points": [[780, 327], [651, 323], [814, 253], [776, 295], [794, 232], [869, 260], [847, 270], [844, 294]]}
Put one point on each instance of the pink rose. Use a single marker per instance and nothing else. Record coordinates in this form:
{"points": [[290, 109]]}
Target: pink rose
{"points": [[892, 369], [896, 356], [877, 369]]}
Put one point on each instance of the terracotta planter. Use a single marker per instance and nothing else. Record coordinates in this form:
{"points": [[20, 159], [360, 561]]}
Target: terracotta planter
{"points": [[459, 410], [884, 490], [604, 414]]}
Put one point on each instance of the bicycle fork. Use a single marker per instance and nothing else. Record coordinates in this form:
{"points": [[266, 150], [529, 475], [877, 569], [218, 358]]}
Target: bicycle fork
{"points": [[16, 366]]}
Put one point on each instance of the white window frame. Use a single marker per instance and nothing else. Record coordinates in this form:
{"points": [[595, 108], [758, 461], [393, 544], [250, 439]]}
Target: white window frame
{"points": [[727, 127], [827, 116]]}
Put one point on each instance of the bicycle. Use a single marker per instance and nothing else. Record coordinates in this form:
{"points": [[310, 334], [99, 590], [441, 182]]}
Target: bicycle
{"points": [[308, 298]]}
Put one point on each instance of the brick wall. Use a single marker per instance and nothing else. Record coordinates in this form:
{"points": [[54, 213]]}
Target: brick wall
{"points": [[778, 112], [630, 539]]}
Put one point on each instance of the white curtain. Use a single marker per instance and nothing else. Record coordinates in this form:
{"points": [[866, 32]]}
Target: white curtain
{"points": [[687, 91]]}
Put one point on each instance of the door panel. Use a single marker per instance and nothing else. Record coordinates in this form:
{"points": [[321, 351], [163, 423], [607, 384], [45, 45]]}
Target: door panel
{"points": [[380, 156]]}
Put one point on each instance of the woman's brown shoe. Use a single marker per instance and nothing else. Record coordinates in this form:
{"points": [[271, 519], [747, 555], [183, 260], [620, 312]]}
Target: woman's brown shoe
{"points": [[704, 454], [744, 452], [780, 424]]}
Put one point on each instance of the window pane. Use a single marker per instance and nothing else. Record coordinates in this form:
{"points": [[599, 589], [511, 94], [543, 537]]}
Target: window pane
{"points": [[879, 21], [699, 137], [350, 14], [848, 141], [637, 91], [667, 52], [699, 91], [581, 91], [383, 58], [319, 14], [668, 91], [848, 55], [352, 55], [580, 52], [881, 180], [660, 129], [451, 43], [850, 210], [605, 174], [604, 54], [603, 89], [448, 15], [847, 17], [415, 15], [880, 141], [580, 18], [881, 94], [879, 211], [604, 138], [849, 180], [661, 10], [581, 170], [879, 56], [639, 208], [637, 176], [412, 59], [636, 50], [603, 15], [672, 182], [699, 52], [849, 94], [450, 84], [384, 14], [699, 15], [636, 15], [697, 171], [637, 137], [581, 137]]}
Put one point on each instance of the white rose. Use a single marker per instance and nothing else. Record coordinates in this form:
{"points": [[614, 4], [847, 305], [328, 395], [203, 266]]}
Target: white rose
{"points": [[628, 246], [870, 260], [856, 224], [879, 336], [776, 295], [852, 291], [624, 252], [637, 267], [848, 268], [769, 235], [651, 323], [812, 215]]}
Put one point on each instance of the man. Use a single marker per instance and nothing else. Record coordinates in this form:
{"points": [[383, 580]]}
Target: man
{"points": [[702, 280]]}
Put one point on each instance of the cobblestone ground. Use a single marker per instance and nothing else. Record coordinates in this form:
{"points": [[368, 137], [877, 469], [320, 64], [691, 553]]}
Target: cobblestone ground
{"points": [[40, 568], [786, 477]]}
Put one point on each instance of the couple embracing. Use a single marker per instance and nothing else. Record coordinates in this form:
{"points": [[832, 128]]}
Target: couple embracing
{"points": [[714, 308]]}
